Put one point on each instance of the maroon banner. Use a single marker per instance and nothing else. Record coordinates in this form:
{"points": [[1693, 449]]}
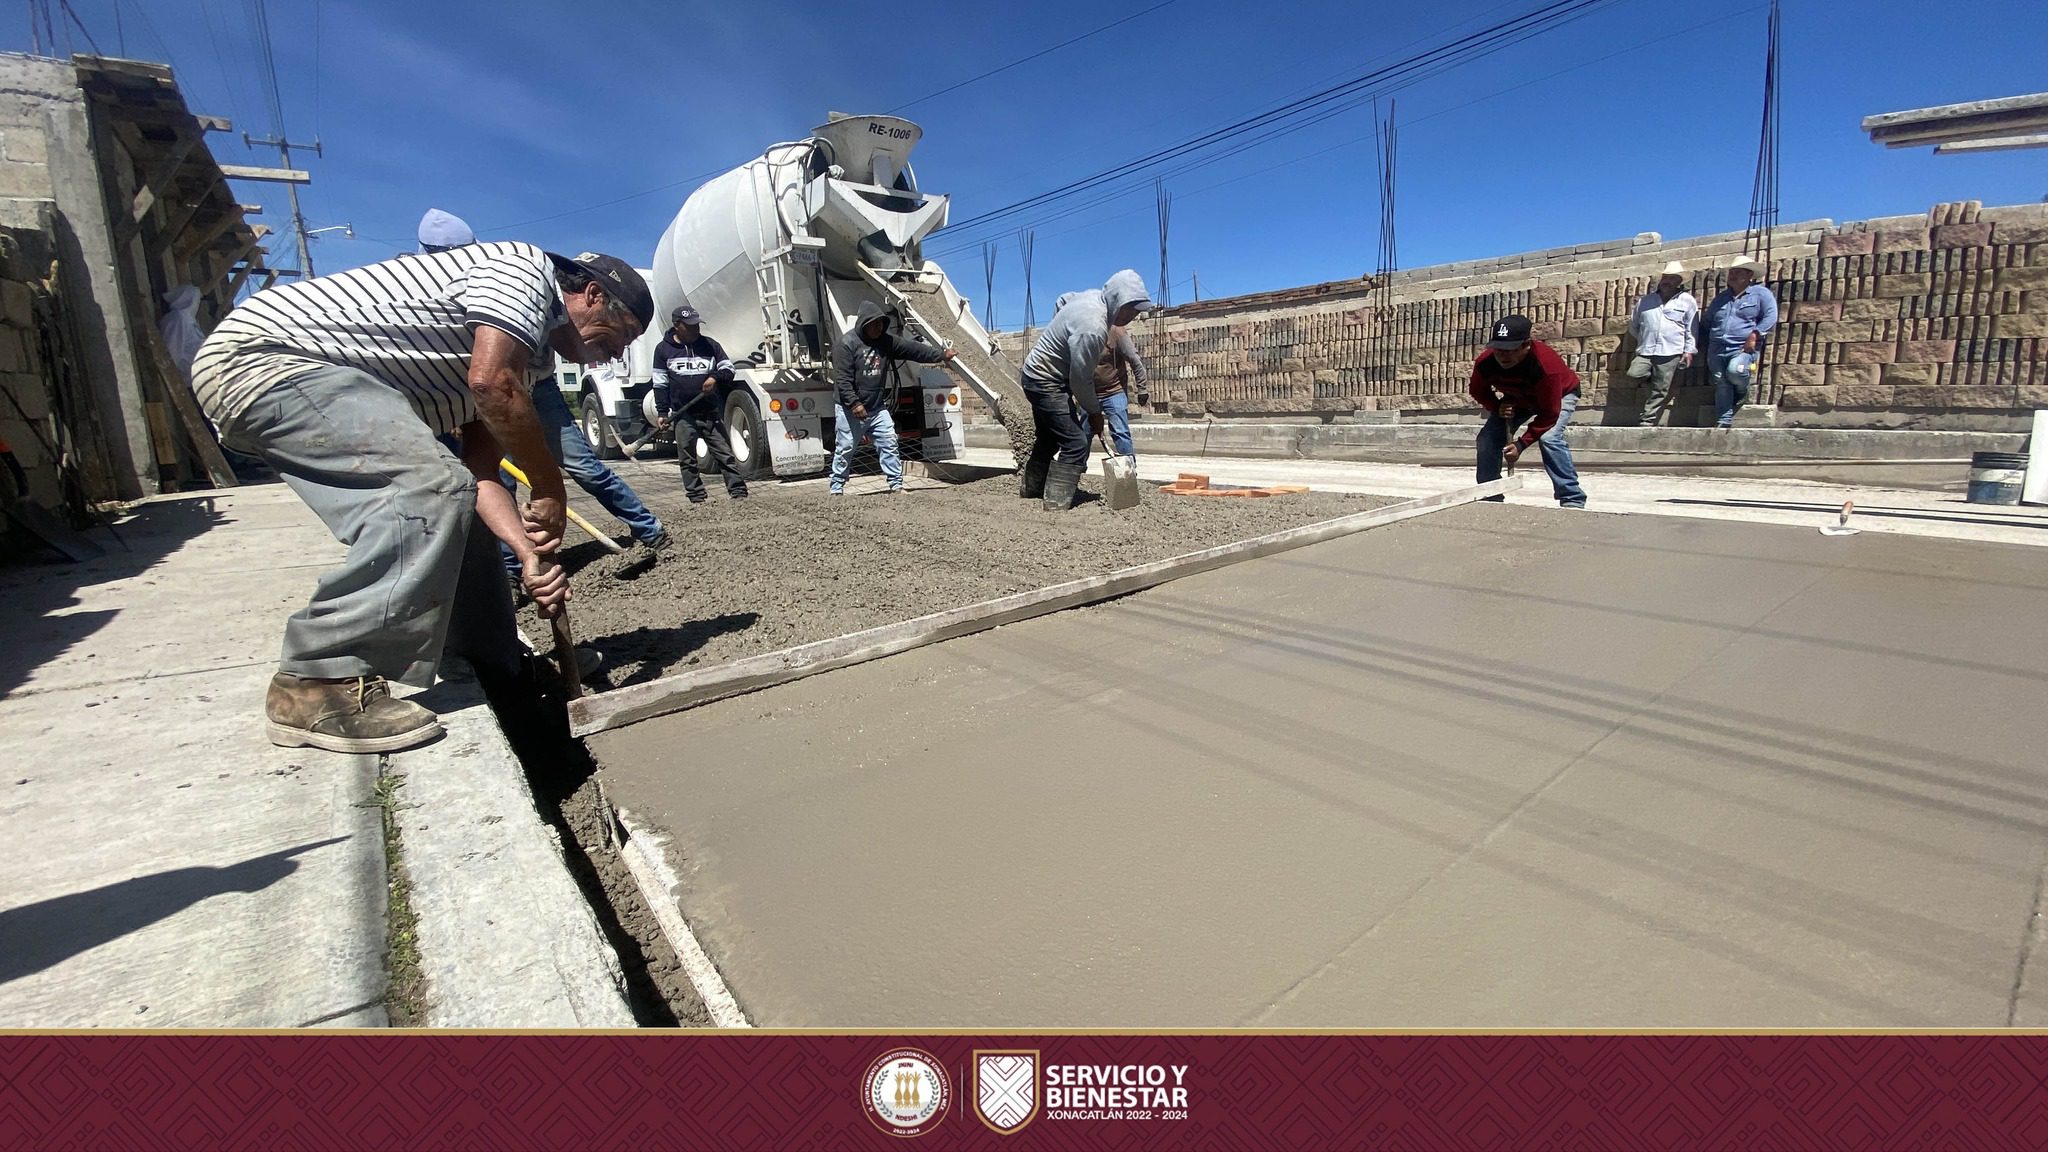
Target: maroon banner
{"points": [[696, 1090]]}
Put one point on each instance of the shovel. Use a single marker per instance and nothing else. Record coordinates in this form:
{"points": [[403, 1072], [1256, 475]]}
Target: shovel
{"points": [[1119, 478], [565, 644]]}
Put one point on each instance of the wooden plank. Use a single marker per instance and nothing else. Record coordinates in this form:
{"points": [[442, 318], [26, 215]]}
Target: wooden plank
{"points": [[197, 240], [179, 392], [616, 709], [247, 251], [161, 173], [214, 123], [1994, 144], [162, 443], [233, 288], [126, 230], [271, 175], [2035, 102]]}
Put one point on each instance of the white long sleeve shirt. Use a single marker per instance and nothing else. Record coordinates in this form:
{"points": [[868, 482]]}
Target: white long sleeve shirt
{"points": [[1667, 327]]}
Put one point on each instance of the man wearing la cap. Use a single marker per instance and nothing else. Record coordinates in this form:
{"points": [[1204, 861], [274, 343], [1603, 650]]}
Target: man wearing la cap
{"points": [[1529, 377], [342, 384], [1663, 327], [692, 377], [1738, 320]]}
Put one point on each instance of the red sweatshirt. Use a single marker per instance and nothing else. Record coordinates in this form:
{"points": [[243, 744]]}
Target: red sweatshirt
{"points": [[1538, 385]]}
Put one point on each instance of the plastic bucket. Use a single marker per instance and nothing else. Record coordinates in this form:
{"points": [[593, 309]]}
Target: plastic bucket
{"points": [[1996, 477]]}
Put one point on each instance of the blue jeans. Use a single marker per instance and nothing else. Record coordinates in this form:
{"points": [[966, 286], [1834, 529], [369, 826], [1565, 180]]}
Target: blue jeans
{"points": [[1116, 414], [882, 428], [1557, 455], [570, 450], [1731, 390]]}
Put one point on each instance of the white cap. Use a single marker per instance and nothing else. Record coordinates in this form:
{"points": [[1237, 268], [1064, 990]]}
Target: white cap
{"points": [[1673, 269], [1745, 262]]}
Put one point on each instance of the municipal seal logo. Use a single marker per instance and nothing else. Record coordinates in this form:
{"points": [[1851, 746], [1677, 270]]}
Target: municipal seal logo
{"points": [[905, 1092], [1006, 1088]]}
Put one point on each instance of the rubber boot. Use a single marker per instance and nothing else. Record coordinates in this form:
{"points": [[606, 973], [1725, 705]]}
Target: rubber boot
{"points": [[1060, 482], [1031, 481]]}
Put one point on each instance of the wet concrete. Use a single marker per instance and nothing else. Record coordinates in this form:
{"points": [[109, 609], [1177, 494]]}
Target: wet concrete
{"points": [[791, 564], [1492, 767]]}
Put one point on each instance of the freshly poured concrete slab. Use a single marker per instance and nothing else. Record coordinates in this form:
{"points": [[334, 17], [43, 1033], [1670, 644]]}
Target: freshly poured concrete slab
{"points": [[1491, 767]]}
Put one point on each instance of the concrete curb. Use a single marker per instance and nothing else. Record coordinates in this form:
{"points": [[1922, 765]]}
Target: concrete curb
{"points": [[1396, 442], [646, 859], [506, 937]]}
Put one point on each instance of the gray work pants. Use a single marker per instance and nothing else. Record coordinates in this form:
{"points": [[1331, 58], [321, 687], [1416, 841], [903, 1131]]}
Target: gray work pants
{"points": [[371, 469], [1663, 370]]}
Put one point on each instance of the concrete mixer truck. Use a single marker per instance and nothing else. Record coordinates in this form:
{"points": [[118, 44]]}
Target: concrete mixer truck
{"points": [[778, 255]]}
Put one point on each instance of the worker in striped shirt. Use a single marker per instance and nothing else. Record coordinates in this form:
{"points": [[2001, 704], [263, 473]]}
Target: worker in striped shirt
{"points": [[342, 384]]}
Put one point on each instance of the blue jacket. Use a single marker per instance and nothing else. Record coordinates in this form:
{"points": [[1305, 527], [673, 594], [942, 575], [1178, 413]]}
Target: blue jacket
{"points": [[1731, 318]]}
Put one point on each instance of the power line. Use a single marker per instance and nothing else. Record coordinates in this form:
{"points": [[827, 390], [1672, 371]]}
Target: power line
{"points": [[1028, 59], [1472, 45], [259, 17], [939, 253], [693, 180], [80, 25]]}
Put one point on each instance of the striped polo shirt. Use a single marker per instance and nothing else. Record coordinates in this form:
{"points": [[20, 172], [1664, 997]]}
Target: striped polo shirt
{"points": [[408, 322]]}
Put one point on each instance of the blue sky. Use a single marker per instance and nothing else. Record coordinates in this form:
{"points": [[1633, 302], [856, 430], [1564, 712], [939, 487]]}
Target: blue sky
{"points": [[521, 116]]}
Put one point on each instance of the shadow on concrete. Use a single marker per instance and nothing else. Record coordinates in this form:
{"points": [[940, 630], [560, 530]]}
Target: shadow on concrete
{"points": [[34, 596], [660, 649], [47, 933]]}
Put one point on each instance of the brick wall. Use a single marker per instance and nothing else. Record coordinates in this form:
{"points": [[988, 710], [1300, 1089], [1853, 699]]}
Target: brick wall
{"points": [[1935, 321]]}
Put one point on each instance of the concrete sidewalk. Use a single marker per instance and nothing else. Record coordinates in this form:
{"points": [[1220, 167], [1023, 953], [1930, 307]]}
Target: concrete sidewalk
{"points": [[169, 867], [1797, 503]]}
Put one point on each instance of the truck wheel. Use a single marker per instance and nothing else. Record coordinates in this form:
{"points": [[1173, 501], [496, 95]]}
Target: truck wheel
{"points": [[747, 435], [596, 428]]}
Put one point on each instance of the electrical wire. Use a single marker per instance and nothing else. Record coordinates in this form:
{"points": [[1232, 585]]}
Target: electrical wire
{"points": [[1472, 45], [80, 25], [1035, 55], [691, 181], [941, 252], [259, 16]]}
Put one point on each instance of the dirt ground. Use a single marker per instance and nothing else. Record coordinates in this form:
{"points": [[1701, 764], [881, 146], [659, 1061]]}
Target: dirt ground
{"points": [[791, 564]]}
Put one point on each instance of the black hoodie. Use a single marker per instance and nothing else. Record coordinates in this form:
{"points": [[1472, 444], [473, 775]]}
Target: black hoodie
{"points": [[862, 369]]}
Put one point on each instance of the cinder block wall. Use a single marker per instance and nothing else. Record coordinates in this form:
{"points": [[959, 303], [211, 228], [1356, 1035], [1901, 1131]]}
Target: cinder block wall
{"points": [[27, 423], [1937, 321], [28, 86]]}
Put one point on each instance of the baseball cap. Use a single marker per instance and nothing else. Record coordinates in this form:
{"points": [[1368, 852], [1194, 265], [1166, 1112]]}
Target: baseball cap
{"points": [[1509, 332], [684, 314], [440, 231], [619, 281]]}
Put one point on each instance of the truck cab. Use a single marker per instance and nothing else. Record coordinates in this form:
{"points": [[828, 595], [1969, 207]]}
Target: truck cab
{"points": [[607, 394]]}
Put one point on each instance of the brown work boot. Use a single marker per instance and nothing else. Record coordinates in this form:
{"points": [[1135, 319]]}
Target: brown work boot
{"points": [[353, 715]]}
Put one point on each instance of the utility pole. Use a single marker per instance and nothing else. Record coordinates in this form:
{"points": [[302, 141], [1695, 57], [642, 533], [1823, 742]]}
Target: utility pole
{"points": [[284, 151]]}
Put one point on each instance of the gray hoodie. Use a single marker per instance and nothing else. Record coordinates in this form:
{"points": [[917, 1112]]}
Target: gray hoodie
{"points": [[1064, 356]]}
